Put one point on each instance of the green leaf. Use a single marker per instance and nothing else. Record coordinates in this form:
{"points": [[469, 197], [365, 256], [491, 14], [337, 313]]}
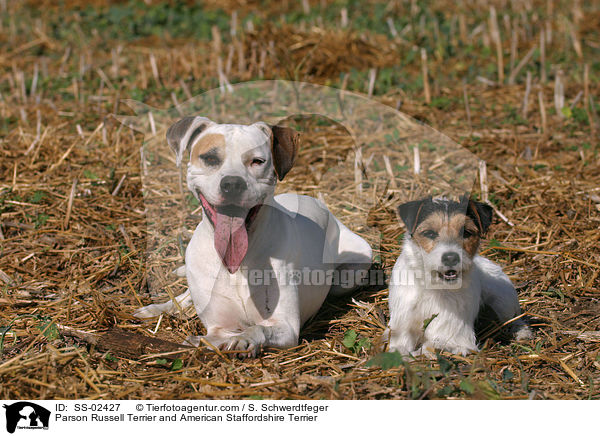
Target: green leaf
{"points": [[363, 343], [349, 339], [445, 391], [466, 386], [161, 361], [445, 364], [507, 375], [48, 328], [37, 197], [566, 111], [40, 220], [386, 360], [176, 365], [110, 358], [89, 175], [494, 243], [428, 320]]}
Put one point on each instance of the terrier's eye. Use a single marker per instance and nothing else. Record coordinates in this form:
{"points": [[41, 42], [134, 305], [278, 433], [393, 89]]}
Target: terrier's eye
{"points": [[210, 160], [466, 233], [429, 234], [257, 161]]}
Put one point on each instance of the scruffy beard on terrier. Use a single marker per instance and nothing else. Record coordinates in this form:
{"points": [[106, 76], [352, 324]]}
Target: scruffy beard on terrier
{"points": [[439, 281]]}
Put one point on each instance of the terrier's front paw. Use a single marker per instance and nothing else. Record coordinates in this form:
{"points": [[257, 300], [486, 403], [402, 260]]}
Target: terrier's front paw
{"points": [[523, 333], [462, 350]]}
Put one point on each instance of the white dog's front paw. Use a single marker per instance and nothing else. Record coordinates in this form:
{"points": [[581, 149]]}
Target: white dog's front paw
{"points": [[244, 343], [150, 311], [193, 341], [197, 341]]}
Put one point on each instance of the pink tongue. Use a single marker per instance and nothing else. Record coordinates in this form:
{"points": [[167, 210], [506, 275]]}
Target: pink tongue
{"points": [[231, 240], [231, 237]]}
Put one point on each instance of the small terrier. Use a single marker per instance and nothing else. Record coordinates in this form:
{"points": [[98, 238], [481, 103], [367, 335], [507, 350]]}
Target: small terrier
{"points": [[439, 281]]}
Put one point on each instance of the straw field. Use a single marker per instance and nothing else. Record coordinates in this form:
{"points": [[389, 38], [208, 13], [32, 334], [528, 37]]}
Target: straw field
{"points": [[516, 83]]}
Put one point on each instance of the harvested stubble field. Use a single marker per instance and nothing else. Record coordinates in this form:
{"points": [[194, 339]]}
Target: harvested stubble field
{"points": [[516, 83]]}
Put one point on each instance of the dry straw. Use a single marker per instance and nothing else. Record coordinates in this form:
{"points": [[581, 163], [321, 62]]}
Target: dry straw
{"points": [[73, 229]]}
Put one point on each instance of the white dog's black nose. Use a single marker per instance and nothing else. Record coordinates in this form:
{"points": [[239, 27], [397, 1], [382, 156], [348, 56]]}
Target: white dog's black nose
{"points": [[450, 258], [233, 186]]}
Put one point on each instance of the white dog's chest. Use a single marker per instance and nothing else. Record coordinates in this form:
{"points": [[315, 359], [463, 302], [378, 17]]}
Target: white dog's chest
{"points": [[233, 301], [431, 304]]}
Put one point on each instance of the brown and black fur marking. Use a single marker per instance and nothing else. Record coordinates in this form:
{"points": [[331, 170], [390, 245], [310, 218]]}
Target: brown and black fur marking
{"points": [[430, 221]]}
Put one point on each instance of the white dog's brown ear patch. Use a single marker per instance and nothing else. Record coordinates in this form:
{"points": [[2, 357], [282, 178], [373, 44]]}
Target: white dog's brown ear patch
{"points": [[181, 135], [284, 149]]}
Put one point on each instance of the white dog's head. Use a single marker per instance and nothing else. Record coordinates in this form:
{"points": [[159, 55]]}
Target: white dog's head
{"points": [[447, 233], [232, 170]]}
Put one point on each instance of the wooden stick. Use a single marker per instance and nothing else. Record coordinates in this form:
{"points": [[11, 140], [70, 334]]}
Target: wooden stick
{"points": [[154, 68], [392, 27], [127, 344], [233, 29], [416, 160], [462, 28], [587, 101], [483, 184], [388, 169], [576, 42], [118, 187], [358, 170], [467, 107], [344, 18], [543, 76], [559, 94], [372, 77], [425, 76], [70, 204], [543, 112], [520, 65], [513, 48], [7, 279], [495, 33], [306, 7], [525, 106]]}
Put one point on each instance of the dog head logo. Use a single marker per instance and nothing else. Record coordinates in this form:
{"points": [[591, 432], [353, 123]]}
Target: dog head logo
{"points": [[24, 414]]}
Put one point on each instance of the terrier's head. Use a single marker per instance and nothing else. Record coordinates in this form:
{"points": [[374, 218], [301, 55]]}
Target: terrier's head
{"points": [[447, 233]]}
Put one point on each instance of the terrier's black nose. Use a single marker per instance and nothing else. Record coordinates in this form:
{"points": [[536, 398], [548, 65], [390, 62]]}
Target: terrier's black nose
{"points": [[232, 186], [450, 258]]}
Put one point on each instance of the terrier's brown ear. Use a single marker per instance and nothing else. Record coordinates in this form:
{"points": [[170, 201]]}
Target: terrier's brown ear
{"points": [[410, 213], [181, 135], [481, 214], [284, 149]]}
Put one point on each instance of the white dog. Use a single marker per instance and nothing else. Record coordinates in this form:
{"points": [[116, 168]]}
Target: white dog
{"points": [[257, 266], [439, 281]]}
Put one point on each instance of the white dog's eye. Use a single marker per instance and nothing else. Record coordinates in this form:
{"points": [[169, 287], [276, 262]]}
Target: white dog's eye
{"points": [[257, 161], [211, 161], [429, 234]]}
